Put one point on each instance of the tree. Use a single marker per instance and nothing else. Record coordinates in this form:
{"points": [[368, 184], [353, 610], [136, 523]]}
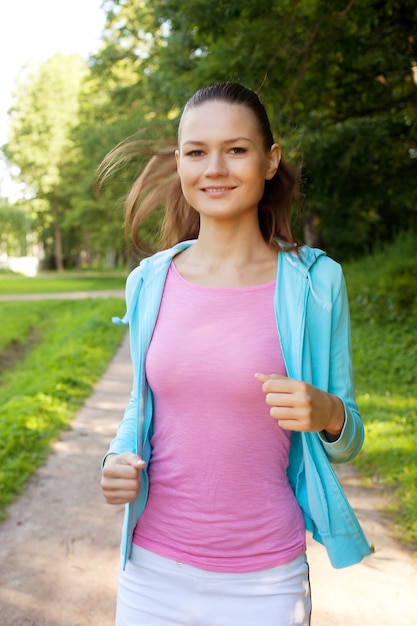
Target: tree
{"points": [[339, 80], [359, 132], [44, 111], [15, 226]]}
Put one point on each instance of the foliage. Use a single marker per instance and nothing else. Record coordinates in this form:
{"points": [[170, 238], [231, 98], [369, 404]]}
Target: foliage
{"points": [[45, 110], [15, 224], [41, 392], [384, 328], [339, 79], [384, 284], [372, 200]]}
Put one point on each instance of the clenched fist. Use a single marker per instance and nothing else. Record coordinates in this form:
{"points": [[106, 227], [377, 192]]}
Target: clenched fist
{"points": [[299, 406], [120, 477]]}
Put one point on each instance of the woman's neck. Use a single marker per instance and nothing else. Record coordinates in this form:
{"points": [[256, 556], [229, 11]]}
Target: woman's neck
{"points": [[229, 260]]}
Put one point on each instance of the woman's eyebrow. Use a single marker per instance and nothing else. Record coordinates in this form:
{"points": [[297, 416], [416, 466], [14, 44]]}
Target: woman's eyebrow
{"points": [[195, 142]]}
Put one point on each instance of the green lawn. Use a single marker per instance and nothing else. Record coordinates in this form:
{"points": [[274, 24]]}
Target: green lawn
{"points": [[51, 354], [49, 282]]}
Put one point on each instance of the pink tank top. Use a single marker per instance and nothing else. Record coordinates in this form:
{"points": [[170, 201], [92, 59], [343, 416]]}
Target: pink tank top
{"points": [[219, 497]]}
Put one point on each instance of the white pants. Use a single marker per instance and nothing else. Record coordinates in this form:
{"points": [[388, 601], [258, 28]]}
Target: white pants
{"points": [[155, 591]]}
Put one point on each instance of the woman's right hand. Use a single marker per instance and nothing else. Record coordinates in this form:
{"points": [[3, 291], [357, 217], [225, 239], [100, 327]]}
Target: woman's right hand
{"points": [[120, 477]]}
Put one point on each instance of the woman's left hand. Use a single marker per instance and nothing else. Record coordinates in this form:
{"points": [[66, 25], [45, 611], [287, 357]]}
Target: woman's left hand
{"points": [[299, 406]]}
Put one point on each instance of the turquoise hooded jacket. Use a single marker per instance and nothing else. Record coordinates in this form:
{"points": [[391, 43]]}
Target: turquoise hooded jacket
{"points": [[312, 315]]}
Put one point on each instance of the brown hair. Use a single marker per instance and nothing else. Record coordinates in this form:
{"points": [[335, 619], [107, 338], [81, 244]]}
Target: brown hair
{"points": [[159, 184]]}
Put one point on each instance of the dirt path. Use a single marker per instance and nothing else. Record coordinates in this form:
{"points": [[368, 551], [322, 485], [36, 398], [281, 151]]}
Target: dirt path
{"points": [[59, 546]]}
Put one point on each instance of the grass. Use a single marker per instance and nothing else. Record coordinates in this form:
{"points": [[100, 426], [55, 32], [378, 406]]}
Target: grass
{"points": [[383, 298], [48, 282], [19, 323], [56, 351]]}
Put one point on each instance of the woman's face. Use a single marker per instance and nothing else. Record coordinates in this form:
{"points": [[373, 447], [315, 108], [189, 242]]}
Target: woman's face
{"points": [[222, 162]]}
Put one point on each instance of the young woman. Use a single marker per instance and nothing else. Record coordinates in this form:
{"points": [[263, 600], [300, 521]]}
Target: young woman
{"points": [[242, 392]]}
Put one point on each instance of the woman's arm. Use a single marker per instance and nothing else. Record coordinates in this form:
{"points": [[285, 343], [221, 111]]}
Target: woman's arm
{"points": [[323, 399]]}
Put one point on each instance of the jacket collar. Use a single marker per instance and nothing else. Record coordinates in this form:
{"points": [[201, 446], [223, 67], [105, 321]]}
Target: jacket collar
{"points": [[302, 261]]}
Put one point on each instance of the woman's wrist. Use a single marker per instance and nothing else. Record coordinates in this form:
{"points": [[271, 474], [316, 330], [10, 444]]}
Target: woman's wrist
{"points": [[107, 456], [337, 419]]}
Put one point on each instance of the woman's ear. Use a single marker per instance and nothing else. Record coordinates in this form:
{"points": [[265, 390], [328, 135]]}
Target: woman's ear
{"points": [[177, 156], [274, 159]]}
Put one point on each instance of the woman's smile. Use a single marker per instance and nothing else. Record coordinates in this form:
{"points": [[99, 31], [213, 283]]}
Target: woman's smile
{"points": [[217, 190]]}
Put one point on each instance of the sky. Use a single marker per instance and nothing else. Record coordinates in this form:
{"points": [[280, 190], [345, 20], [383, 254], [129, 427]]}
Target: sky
{"points": [[35, 30]]}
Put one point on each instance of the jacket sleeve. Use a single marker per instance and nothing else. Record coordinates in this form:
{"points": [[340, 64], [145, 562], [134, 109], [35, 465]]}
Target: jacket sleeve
{"points": [[340, 374], [126, 439]]}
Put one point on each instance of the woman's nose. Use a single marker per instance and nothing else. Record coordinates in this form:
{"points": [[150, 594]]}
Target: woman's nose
{"points": [[216, 165]]}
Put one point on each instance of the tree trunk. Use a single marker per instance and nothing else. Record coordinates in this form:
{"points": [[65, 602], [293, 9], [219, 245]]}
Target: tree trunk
{"points": [[59, 261]]}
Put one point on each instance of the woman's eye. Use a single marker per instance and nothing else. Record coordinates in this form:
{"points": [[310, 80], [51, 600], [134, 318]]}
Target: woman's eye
{"points": [[194, 153], [238, 150]]}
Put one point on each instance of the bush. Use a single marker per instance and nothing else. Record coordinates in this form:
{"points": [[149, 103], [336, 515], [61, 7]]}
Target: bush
{"points": [[382, 290]]}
